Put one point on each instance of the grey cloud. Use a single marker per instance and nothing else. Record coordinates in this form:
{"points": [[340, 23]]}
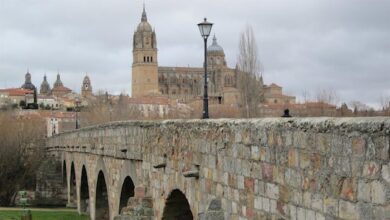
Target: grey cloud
{"points": [[304, 45]]}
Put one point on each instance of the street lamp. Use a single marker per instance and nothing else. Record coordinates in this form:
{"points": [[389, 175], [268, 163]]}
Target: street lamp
{"points": [[205, 29], [77, 109]]}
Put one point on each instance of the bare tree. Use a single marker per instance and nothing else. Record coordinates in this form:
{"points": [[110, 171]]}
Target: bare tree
{"points": [[328, 96], [305, 96], [104, 109], [385, 104], [250, 77], [21, 150]]}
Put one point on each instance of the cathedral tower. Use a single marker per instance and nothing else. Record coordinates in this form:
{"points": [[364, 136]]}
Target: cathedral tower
{"points": [[145, 68], [45, 87], [86, 88], [215, 55]]}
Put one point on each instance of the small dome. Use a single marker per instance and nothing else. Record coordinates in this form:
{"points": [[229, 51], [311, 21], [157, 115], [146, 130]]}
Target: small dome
{"points": [[144, 26], [27, 83], [215, 47], [58, 82]]}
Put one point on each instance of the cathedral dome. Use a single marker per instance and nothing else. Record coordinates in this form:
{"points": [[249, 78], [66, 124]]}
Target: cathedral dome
{"points": [[27, 83], [58, 82], [45, 87], [215, 47], [144, 25]]}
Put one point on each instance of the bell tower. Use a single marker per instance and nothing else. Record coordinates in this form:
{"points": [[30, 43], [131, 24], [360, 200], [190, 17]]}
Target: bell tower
{"points": [[145, 67]]}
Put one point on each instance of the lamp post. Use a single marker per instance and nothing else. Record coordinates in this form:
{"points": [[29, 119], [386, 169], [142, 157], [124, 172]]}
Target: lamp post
{"points": [[77, 109], [205, 29]]}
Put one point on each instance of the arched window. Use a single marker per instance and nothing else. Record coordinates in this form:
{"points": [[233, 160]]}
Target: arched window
{"points": [[151, 59], [144, 59]]}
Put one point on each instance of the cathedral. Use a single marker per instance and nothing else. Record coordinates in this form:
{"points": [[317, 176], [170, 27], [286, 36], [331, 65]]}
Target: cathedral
{"points": [[180, 83], [58, 87]]}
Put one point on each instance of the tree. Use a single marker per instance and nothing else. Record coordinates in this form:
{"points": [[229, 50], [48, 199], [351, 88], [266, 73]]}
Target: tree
{"points": [[385, 104], [21, 151], [105, 109], [249, 77], [328, 96], [361, 109]]}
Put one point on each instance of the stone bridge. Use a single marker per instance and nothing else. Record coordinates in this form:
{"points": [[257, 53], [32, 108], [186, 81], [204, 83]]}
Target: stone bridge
{"points": [[274, 168]]}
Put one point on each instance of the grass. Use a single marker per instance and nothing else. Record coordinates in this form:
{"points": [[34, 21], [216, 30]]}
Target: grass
{"points": [[42, 214]]}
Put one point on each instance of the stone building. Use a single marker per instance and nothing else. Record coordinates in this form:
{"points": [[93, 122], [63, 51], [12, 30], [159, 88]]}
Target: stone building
{"points": [[182, 83], [273, 94]]}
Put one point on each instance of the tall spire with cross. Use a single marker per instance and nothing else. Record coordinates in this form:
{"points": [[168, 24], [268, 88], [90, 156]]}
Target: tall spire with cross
{"points": [[144, 17]]}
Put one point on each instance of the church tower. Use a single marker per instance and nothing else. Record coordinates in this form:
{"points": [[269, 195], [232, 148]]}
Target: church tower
{"points": [[45, 87], [145, 68], [215, 55], [86, 88]]}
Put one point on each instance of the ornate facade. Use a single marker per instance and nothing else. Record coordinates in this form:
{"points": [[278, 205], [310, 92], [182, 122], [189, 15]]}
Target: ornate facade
{"points": [[182, 83]]}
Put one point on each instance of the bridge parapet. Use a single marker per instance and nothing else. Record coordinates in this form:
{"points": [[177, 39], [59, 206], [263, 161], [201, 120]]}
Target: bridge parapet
{"points": [[291, 168]]}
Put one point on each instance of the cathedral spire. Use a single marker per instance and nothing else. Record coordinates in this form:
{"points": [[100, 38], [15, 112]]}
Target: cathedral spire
{"points": [[215, 40], [144, 18]]}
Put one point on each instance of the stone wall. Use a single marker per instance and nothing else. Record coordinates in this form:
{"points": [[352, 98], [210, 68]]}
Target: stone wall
{"points": [[313, 168]]}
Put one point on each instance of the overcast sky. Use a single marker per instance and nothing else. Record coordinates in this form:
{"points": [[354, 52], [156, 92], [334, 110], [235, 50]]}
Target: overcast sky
{"points": [[304, 45]]}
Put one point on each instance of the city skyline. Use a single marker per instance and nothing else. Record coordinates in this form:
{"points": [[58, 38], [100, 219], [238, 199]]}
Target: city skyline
{"points": [[304, 46]]}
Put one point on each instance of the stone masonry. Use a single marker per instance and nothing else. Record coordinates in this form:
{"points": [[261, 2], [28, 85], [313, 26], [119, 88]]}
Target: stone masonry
{"points": [[273, 168]]}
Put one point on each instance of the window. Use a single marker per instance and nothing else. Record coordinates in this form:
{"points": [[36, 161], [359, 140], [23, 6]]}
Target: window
{"points": [[147, 59], [151, 59], [144, 59], [219, 99]]}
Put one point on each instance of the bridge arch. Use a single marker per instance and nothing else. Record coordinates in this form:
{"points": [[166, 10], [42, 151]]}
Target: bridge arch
{"points": [[72, 187], [127, 191], [177, 207], [64, 175], [84, 192], [102, 208]]}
